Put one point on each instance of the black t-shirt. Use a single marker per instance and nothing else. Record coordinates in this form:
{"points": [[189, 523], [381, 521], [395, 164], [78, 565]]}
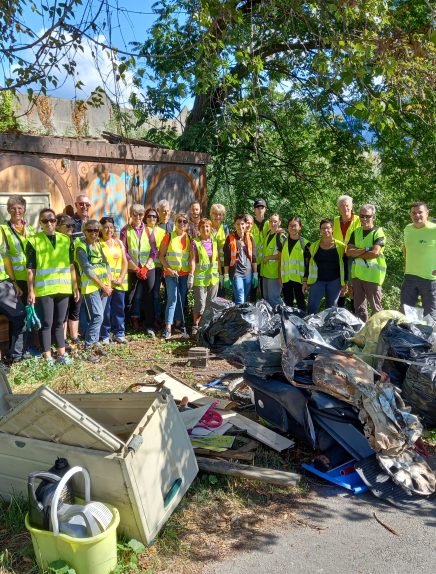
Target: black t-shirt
{"points": [[327, 261]]}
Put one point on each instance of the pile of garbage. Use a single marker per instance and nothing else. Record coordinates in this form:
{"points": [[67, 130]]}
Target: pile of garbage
{"points": [[345, 388]]}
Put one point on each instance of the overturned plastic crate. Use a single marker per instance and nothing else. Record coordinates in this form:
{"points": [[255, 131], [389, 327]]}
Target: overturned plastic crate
{"points": [[134, 445]]}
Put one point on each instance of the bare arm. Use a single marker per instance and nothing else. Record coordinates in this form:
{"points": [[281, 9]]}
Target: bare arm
{"points": [[353, 251]]}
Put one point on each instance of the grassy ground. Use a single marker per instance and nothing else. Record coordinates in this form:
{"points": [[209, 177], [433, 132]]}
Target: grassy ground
{"points": [[218, 516]]}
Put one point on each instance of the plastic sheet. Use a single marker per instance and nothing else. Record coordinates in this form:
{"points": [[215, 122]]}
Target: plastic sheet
{"points": [[419, 389], [336, 326]]}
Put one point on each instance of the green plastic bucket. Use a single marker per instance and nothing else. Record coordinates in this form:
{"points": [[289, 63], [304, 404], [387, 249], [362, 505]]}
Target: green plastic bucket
{"points": [[95, 555]]}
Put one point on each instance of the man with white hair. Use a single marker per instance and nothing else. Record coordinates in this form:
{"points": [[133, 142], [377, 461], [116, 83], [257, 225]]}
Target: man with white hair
{"points": [[344, 225], [164, 212], [368, 269], [81, 214]]}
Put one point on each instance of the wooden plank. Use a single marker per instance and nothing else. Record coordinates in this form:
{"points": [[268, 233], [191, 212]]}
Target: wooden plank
{"points": [[259, 432], [178, 389], [227, 454], [89, 149], [269, 475]]}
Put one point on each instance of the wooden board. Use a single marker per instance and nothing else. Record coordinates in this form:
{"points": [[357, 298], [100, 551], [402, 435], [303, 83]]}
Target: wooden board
{"points": [[178, 389], [257, 431]]}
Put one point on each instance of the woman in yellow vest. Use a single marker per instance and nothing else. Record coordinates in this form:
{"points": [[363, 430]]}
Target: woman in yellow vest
{"points": [[95, 283], [293, 258], [174, 256], [269, 269], [113, 317], [220, 232], [141, 267], [155, 235], [51, 278], [204, 271], [326, 275]]}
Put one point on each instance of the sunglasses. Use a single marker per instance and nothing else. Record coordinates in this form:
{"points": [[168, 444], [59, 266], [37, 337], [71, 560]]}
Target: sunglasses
{"points": [[365, 216], [182, 221], [152, 216], [84, 204], [92, 230], [45, 221], [69, 225]]}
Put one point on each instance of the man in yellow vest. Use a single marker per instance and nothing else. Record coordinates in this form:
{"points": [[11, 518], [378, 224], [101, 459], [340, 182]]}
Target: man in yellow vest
{"points": [[368, 269], [259, 232], [420, 252]]}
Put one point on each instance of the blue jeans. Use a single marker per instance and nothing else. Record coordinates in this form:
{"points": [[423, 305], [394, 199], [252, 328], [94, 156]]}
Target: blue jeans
{"points": [[113, 316], [241, 288], [95, 305], [271, 291], [328, 289], [176, 297]]}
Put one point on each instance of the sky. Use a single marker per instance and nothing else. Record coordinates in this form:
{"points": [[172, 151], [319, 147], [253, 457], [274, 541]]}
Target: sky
{"points": [[129, 23]]}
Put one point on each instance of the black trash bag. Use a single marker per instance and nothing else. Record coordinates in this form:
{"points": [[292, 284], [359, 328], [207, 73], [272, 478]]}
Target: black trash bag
{"points": [[261, 355], [401, 341], [300, 341], [336, 326], [214, 310], [419, 388]]}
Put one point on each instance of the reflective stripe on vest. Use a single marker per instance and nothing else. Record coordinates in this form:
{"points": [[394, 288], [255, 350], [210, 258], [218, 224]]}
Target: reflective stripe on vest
{"points": [[3, 274], [313, 267], [206, 270], [52, 274], [17, 250], [292, 264], [87, 283], [371, 270], [259, 238], [220, 237], [234, 248], [115, 265], [138, 251], [270, 269], [159, 234], [177, 257]]}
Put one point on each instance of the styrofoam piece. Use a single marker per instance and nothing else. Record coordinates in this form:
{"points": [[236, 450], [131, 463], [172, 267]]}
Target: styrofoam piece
{"points": [[45, 415]]}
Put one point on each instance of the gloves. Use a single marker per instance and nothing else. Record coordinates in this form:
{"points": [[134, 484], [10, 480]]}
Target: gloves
{"points": [[32, 320], [190, 281], [222, 281], [255, 280], [227, 281], [141, 272]]}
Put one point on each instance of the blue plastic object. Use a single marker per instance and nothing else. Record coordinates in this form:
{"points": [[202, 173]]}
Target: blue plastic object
{"points": [[350, 481]]}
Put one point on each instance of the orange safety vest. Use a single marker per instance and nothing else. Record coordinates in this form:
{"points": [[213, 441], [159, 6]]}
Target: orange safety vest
{"points": [[234, 248]]}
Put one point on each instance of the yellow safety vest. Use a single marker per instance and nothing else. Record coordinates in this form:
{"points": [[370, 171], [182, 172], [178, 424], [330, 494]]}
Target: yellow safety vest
{"points": [[139, 251], [3, 274], [337, 231], [177, 257], [17, 249], [53, 273], [159, 234], [115, 264], [270, 269], [97, 260], [259, 238], [313, 267], [372, 270], [206, 270], [292, 264], [220, 237]]}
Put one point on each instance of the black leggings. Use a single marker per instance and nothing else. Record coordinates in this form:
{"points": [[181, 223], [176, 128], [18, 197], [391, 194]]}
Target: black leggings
{"points": [[294, 291], [51, 310]]}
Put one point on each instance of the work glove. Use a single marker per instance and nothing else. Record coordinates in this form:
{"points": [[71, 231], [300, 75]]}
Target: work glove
{"points": [[190, 281], [227, 281], [255, 280], [32, 319], [222, 281], [142, 272]]}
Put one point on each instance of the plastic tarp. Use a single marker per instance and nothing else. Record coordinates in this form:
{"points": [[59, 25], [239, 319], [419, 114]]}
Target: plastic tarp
{"points": [[337, 326]]}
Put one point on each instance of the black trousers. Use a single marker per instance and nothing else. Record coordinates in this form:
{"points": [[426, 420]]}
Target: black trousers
{"points": [[11, 306], [52, 310], [293, 291]]}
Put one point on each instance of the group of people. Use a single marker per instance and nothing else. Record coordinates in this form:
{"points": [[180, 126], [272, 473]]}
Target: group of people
{"points": [[86, 276]]}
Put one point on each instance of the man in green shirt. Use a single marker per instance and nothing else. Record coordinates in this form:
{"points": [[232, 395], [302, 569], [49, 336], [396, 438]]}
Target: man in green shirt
{"points": [[420, 252]]}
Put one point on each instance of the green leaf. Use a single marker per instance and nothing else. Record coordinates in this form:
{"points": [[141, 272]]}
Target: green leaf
{"points": [[60, 567], [136, 546]]}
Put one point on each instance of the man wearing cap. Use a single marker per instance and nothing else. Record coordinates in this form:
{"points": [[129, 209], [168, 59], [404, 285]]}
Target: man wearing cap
{"points": [[420, 253], [259, 231]]}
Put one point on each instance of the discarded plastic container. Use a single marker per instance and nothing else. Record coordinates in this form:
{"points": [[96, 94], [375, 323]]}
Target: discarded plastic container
{"points": [[96, 555]]}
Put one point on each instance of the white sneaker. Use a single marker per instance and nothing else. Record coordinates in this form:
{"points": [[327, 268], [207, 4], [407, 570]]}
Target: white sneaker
{"points": [[122, 340], [104, 342]]}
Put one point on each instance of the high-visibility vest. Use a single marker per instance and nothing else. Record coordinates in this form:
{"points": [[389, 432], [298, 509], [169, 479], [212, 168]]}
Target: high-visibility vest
{"points": [[17, 249], [259, 238], [97, 260], [139, 251], [270, 269], [177, 257], [220, 237], [115, 264], [337, 231], [313, 267], [53, 273], [159, 234], [292, 264], [372, 270], [206, 270], [3, 274], [234, 248]]}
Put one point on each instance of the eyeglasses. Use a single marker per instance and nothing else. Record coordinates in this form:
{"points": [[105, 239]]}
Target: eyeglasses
{"points": [[365, 216], [84, 204], [151, 215], [69, 225], [45, 221], [182, 221], [92, 230]]}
